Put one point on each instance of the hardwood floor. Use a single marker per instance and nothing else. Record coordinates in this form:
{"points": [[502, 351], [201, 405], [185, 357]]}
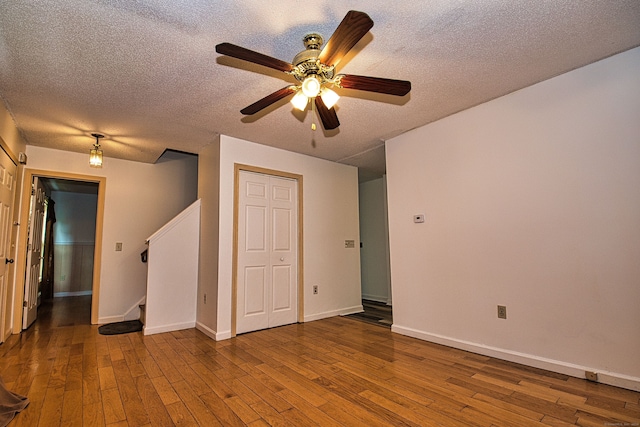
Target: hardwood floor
{"points": [[376, 313], [331, 372]]}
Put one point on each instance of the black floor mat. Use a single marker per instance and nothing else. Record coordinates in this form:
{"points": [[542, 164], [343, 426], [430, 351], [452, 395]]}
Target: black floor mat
{"points": [[120, 327]]}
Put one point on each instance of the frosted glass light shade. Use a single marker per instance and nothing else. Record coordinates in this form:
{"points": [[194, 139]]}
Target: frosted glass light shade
{"points": [[300, 101], [311, 86], [329, 97]]}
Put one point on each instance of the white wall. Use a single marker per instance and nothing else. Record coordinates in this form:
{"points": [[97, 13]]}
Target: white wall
{"points": [[374, 235], [532, 201], [330, 210], [209, 196], [172, 277], [74, 241], [139, 199]]}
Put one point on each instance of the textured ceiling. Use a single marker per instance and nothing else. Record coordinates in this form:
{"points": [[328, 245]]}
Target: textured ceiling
{"points": [[145, 73]]}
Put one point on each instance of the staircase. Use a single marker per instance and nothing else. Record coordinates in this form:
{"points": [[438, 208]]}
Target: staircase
{"points": [[172, 274]]}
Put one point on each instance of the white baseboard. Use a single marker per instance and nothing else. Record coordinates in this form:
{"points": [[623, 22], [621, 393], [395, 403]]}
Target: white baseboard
{"points": [[167, 328], [610, 378], [224, 335], [71, 294], [217, 336], [332, 313], [110, 319]]}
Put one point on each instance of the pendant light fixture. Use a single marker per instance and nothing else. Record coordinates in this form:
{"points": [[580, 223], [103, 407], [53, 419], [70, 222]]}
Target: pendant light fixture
{"points": [[95, 155]]}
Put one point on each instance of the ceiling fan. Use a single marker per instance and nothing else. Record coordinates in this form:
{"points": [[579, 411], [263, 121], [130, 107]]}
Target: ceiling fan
{"points": [[314, 69]]}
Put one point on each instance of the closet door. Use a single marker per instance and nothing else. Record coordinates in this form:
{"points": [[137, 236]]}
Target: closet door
{"points": [[267, 252]]}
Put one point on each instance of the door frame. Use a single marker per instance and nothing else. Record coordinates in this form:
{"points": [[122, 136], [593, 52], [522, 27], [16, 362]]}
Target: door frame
{"points": [[21, 255], [236, 204]]}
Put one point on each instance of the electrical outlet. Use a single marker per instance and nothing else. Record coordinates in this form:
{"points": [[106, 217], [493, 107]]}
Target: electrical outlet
{"points": [[502, 312], [118, 246], [315, 289]]}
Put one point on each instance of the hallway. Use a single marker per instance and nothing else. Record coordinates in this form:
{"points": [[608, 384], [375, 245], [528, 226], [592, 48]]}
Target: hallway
{"points": [[67, 311]]}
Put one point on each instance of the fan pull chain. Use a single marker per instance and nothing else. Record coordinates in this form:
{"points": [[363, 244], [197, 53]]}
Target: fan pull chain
{"points": [[313, 114]]}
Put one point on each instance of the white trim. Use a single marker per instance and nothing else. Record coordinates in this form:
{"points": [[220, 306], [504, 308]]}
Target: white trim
{"points": [[125, 316], [206, 330], [111, 319], [71, 294], [175, 221], [333, 313], [129, 316], [611, 378], [217, 336], [225, 335], [168, 328]]}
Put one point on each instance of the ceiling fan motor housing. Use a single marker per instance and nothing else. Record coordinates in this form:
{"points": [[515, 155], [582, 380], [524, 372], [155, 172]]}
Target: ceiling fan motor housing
{"points": [[306, 62]]}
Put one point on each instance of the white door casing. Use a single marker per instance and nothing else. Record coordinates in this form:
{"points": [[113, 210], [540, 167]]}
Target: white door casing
{"points": [[267, 266], [7, 190], [34, 254]]}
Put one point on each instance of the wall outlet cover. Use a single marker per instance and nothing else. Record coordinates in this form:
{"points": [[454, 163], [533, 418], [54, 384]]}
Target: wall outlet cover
{"points": [[502, 312]]}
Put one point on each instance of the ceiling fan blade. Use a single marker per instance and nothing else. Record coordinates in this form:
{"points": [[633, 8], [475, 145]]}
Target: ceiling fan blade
{"points": [[328, 116], [373, 84], [253, 56], [268, 100], [352, 28]]}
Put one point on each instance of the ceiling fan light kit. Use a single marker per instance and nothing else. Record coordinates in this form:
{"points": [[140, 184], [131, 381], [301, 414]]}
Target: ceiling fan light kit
{"points": [[314, 69]]}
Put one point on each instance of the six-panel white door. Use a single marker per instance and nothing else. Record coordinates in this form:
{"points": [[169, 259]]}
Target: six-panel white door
{"points": [[267, 276], [34, 254], [7, 187]]}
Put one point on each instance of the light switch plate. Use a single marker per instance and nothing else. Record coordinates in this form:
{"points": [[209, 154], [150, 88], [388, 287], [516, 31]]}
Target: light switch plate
{"points": [[349, 244], [418, 218]]}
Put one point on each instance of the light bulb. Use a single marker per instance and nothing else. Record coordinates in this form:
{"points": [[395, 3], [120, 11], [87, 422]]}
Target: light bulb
{"points": [[329, 97], [300, 101], [311, 86]]}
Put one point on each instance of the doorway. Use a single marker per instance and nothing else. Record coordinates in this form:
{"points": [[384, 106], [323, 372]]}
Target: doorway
{"points": [[267, 283], [374, 249], [72, 184]]}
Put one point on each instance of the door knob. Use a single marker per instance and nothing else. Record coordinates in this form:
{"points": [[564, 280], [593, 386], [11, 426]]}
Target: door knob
{"points": [[281, 259], [8, 260]]}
